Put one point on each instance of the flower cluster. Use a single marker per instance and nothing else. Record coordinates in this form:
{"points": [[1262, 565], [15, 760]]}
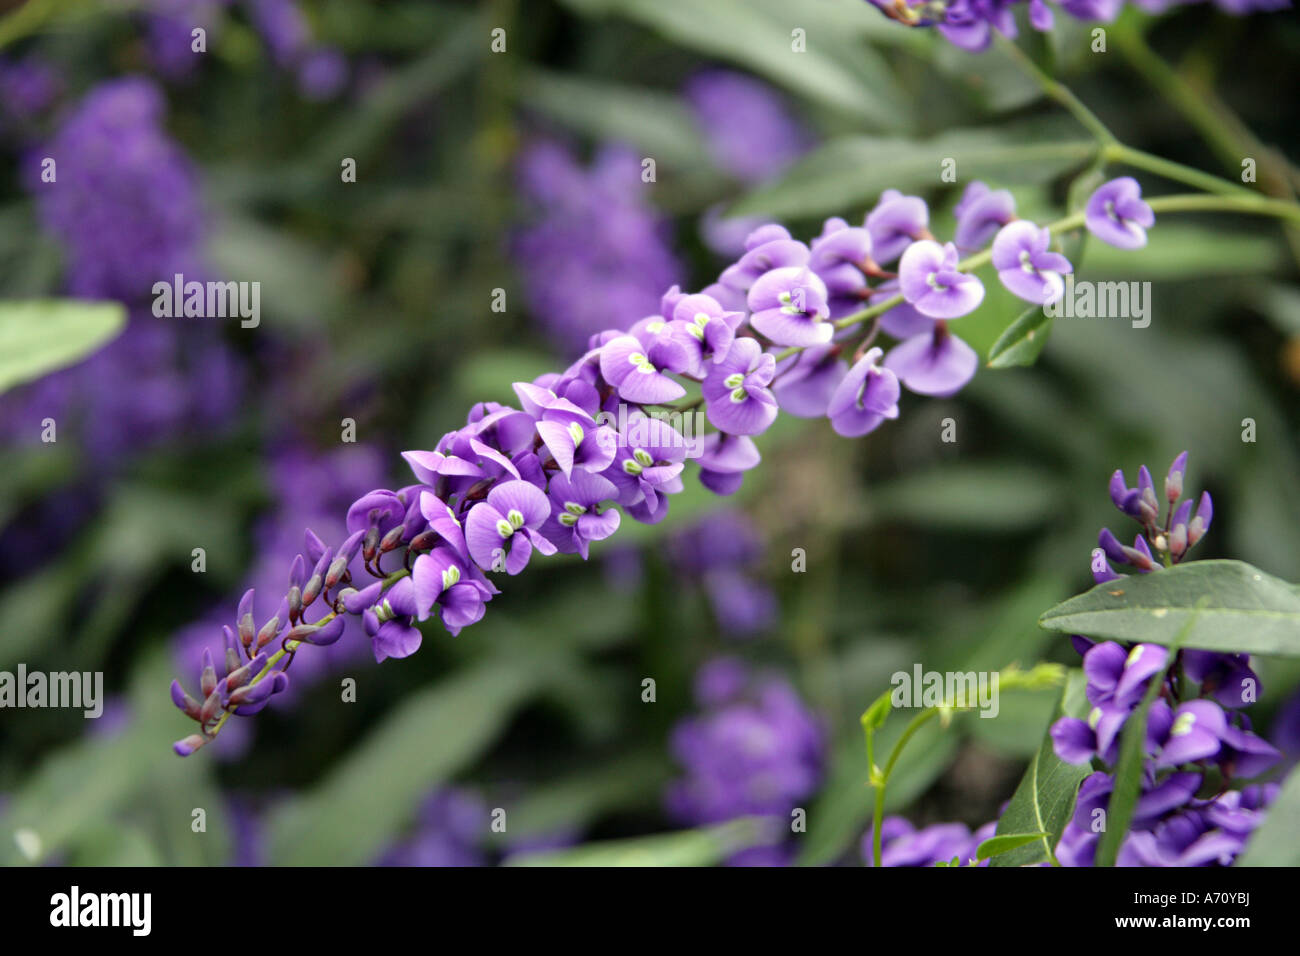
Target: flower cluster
{"points": [[755, 750], [969, 24], [597, 252], [718, 553], [320, 71], [1159, 542], [1197, 724], [902, 844], [590, 443], [126, 209]]}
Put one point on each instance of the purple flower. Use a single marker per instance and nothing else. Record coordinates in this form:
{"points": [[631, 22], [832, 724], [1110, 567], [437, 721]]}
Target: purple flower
{"points": [[502, 531], [935, 363], [902, 844], [805, 382], [1116, 214], [739, 401], [895, 223], [929, 280], [747, 126], [576, 518], [596, 255], [865, 398], [1026, 267], [754, 750], [789, 305], [980, 214], [723, 461], [632, 369]]}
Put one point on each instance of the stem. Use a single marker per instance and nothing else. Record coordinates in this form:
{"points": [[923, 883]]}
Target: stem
{"points": [[878, 814], [1057, 91], [290, 646], [1128, 156]]}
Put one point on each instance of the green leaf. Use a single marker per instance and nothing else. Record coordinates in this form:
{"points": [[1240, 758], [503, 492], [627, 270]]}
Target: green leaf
{"points": [[1128, 774], [1044, 800], [1245, 612], [701, 847], [853, 171], [368, 795], [1022, 341], [997, 845], [44, 335], [1277, 840], [848, 77], [654, 121]]}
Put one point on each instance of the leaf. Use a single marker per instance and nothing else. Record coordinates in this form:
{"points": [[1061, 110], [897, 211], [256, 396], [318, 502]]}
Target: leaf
{"points": [[997, 845], [44, 335], [656, 122], [701, 847], [1277, 840], [368, 794], [1022, 341], [1245, 612], [1044, 800], [1128, 773], [854, 170], [848, 77]]}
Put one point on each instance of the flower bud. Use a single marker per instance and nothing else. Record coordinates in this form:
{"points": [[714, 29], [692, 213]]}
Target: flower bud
{"points": [[188, 745], [208, 679], [244, 619], [1174, 480]]}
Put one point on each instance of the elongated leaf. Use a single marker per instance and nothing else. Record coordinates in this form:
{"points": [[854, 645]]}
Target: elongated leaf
{"points": [[1022, 341], [829, 71], [1128, 773], [347, 818], [1277, 841], [701, 847], [1044, 800], [1246, 611], [652, 120], [45, 335], [997, 845], [854, 171]]}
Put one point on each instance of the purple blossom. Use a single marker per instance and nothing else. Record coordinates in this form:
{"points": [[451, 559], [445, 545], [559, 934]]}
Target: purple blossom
{"points": [[755, 749], [902, 844], [596, 255], [980, 214], [788, 305], [865, 398], [739, 401], [1026, 266], [507, 527], [1117, 215], [748, 127], [930, 281], [934, 363]]}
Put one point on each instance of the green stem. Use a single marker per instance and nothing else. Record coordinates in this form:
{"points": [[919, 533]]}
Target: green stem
{"points": [[290, 646], [878, 814], [1057, 90], [1128, 156], [1165, 80]]}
